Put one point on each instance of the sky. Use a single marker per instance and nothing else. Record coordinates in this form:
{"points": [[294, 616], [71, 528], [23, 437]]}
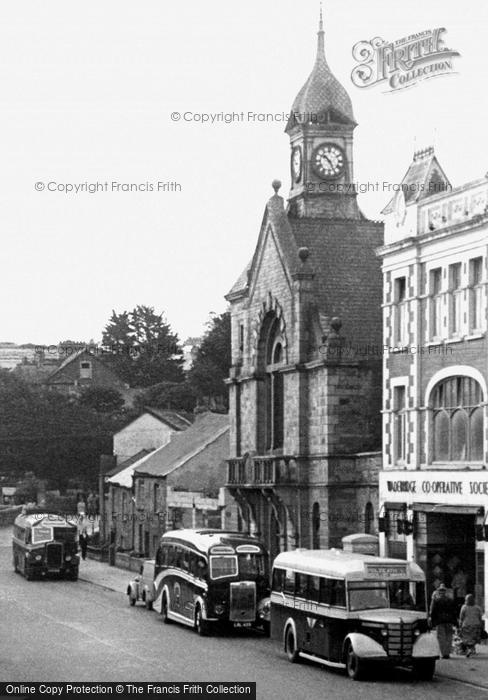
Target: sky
{"points": [[88, 90]]}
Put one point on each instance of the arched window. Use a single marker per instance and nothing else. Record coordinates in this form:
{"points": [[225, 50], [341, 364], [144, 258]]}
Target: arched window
{"points": [[368, 518], [457, 420], [271, 390]]}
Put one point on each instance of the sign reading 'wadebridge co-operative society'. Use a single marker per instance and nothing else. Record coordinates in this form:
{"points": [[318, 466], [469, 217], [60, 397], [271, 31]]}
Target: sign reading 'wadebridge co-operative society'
{"points": [[404, 62], [434, 487]]}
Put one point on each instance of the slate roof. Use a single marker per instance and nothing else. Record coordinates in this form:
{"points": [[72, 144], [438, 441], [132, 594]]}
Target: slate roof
{"points": [[127, 463], [423, 170], [186, 445], [321, 94], [175, 420]]}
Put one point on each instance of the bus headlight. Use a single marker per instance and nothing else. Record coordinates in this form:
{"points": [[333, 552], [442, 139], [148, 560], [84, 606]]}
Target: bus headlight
{"points": [[68, 557], [219, 609], [384, 633], [38, 557], [264, 609], [416, 632]]}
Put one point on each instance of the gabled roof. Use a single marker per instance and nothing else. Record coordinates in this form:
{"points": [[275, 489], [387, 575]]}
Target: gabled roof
{"points": [[422, 177], [77, 355], [127, 463], [184, 446], [176, 420]]}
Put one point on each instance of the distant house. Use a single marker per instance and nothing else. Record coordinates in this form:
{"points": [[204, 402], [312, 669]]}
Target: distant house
{"points": [[85, 369], [177, 485], [152, 429]]}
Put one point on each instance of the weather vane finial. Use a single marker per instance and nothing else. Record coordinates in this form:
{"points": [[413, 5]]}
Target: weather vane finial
{"points": [[321, 23]]}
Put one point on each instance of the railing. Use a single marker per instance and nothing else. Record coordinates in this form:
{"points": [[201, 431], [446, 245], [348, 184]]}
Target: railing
{"points": [[262, 470]]}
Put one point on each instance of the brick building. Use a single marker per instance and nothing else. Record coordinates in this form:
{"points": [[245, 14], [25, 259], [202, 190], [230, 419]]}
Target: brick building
{"points": [[305, 384], [434, 488]]}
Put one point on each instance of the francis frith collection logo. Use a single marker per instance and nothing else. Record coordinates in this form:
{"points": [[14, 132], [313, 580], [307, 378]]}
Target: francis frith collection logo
{"points": [[404, 62]]}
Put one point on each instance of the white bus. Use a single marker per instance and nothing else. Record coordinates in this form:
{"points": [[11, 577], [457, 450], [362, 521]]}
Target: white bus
{"points": [[348, 610]]}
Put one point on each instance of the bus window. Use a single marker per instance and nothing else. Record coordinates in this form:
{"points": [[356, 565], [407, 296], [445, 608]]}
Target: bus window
{"points": [[251, 566], [201, 567], [313, 588], [366, 595], [301, 585], [179, 557], [278, 580], [185, 560], [407, 596], [222, 567], [332, 592], [289, 586], [171, 555]]}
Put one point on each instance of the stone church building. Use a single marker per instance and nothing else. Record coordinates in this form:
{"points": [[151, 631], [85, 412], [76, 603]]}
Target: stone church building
{"points": [[305, 381]]}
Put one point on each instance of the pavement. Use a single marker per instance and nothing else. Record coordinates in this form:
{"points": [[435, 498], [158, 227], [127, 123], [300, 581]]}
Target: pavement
{"points": [[473, 670]]}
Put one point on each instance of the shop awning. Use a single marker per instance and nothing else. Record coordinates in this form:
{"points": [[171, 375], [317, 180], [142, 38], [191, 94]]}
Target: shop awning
{"points": [[442, 508]]}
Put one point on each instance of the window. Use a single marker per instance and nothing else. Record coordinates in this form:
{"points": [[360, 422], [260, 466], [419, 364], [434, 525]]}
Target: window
{"points": [[140, 493], [241, 338], [223, 567], [455, 299], [399, 424], [436, 303], [476, 294], [278, 580], [156, 498], [368, 595], [289, 584], [85, 370], [401, 317], [316, 526], [271, 388], [332, 592], [457, 421]]}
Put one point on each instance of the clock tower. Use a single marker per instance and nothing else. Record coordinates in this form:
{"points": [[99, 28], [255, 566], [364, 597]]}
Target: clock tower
{"points": [[320, 128]]}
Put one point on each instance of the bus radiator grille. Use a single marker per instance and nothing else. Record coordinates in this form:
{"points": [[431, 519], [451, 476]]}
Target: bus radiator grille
{"points": [[54, 555], [400, 639]]}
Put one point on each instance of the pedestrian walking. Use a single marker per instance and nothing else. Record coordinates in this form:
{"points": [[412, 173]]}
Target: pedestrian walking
{"points": [[470, 625], [442, 617], [83, 543]]}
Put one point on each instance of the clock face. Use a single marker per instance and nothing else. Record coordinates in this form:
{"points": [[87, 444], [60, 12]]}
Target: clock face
{"points": [[296, 163], [329, 160]]}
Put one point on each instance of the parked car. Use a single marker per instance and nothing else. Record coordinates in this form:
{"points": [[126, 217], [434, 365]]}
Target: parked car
{"points": [[141, 587]]}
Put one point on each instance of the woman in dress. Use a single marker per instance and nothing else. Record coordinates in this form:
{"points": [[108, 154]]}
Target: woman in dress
{"points": [[470, 625]]}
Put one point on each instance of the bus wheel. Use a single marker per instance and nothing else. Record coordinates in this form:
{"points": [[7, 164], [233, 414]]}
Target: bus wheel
{"points": [[354, 665], [164, 610], [291, 646], [201, 625], [424, 669]]}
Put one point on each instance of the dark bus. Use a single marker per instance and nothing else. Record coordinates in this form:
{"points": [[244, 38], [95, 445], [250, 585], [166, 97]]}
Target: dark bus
{"points": [[45, 543], [205, 577]]}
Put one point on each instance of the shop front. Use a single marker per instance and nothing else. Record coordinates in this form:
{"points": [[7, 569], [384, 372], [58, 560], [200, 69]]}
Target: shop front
{"points": [[437, 519]]}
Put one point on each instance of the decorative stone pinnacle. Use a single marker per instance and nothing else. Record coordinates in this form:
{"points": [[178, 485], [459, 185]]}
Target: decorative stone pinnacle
{"points": [[276, 184]]}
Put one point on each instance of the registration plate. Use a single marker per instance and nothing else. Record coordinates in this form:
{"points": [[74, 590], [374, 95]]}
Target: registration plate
{"points": [[242, 624]]}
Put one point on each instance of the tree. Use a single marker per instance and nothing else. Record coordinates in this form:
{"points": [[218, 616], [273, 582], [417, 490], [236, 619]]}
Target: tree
{"points": [[101, 399], [48, 434], [212, 363], [143, 350], [178, 396]]}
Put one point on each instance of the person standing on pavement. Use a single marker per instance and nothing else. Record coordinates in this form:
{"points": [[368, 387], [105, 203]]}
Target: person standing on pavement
{"points": [[470, 625], [459, 585], [443, 616], [83, 543]]}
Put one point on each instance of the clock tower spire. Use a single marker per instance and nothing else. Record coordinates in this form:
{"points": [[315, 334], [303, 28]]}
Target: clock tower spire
{"points": [[320, 128]]}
